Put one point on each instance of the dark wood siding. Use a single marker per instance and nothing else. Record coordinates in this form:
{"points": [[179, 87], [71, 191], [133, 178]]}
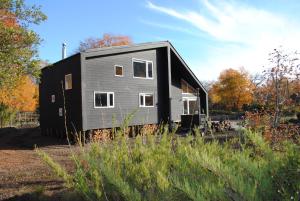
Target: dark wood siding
{"points": [[51, 84], [98, 75], [162, 84]]}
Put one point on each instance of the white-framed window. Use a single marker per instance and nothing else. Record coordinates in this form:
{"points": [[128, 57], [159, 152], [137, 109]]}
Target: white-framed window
{"points": [[68, 81], [146, 99], [190, 105], [104, 99], [52, 98], [119, 72], [60, 112], [142, 69]]}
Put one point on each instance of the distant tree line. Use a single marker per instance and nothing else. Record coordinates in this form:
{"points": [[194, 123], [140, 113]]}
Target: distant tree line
{"points": [[276, 89]]}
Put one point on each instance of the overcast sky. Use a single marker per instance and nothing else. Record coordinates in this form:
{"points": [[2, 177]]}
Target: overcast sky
{"points": [[209, 35]]}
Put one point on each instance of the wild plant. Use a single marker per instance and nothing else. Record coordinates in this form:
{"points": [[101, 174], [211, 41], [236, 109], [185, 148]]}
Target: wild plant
{"points": [[164, 166]]}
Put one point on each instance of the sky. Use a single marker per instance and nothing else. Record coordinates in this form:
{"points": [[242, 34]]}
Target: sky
{"points": [[210, 35]]}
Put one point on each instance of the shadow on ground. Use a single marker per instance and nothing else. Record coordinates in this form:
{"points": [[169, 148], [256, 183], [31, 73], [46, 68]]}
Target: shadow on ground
{"points": [[26, 139], [39, 195]]}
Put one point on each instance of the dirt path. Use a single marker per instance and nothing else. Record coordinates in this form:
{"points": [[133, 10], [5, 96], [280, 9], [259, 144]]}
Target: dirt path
{"points": [[22, 172]]}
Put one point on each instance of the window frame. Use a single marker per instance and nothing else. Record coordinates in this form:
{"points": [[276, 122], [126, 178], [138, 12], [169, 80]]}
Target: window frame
{"points": [[115, 68], [147, 70], [144, 99], [108, 99], [188, 99], [69, 88]]}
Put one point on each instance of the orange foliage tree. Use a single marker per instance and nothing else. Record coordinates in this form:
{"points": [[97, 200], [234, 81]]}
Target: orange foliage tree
{"points": [[106, 41], [23, 97], [233, 89]]}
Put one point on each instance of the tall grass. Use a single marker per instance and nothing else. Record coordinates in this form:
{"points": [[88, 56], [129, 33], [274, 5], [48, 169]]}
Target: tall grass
{"points": [[163, 166]]}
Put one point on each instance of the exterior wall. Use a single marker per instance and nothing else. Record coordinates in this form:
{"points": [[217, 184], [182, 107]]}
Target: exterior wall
{"points": [[178, 72], [99, 75], [176, 100], [51, 79]]}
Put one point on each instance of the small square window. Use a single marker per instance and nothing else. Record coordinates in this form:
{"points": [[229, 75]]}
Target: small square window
{"points": [[68, 81], [118, 71], [52, 98]]}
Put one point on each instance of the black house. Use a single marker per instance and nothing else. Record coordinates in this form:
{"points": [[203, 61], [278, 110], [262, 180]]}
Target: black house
{"points": [[98, 88]]}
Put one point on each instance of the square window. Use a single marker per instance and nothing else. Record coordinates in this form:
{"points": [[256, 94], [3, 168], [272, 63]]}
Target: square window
{"points": [[118, 70], [103, 99], [190, 106], [146, 99], [68, 81], [142, 69], [139, 69]]}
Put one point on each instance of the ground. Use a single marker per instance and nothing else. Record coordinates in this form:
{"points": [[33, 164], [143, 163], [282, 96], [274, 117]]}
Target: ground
{"points": [[23, 175]]}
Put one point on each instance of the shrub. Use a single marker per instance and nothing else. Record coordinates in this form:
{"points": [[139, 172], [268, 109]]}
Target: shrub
{"points": [[262, 122], [166, 167]]}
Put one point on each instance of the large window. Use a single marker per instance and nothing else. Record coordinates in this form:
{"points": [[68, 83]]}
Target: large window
{"points": [[190, 106], [146, 99], [68, 81], [119, 71], [186, 88], [142, 69], [104, 99]]}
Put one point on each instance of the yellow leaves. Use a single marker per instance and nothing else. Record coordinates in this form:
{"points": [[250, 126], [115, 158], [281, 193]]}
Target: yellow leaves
{"points": [[233, 89], [23, 97]]}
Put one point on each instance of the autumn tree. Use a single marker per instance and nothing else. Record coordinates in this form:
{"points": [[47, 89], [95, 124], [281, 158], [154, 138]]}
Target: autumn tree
{"points": [[233, 89], [24, 97], [18, 54], [278, 81], [18, 43], [107, 40]]}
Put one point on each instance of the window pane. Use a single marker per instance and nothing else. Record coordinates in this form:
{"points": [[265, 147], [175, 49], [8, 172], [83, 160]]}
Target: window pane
{"points": [[68, 81], [150, 69], [139, 69], [185, 109], [111, 100], [192, 106], [141, 100], [119, 70], [148, 100], [53, 98], [184, 87], [191, 90], [101, 100]]}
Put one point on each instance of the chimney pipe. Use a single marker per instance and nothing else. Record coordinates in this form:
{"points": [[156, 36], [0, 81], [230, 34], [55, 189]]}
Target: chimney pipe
{"points": [[64, 50]]}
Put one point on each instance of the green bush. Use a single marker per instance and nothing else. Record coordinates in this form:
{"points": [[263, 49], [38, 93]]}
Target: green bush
{"points": [[6, 114], [166, 167]]}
